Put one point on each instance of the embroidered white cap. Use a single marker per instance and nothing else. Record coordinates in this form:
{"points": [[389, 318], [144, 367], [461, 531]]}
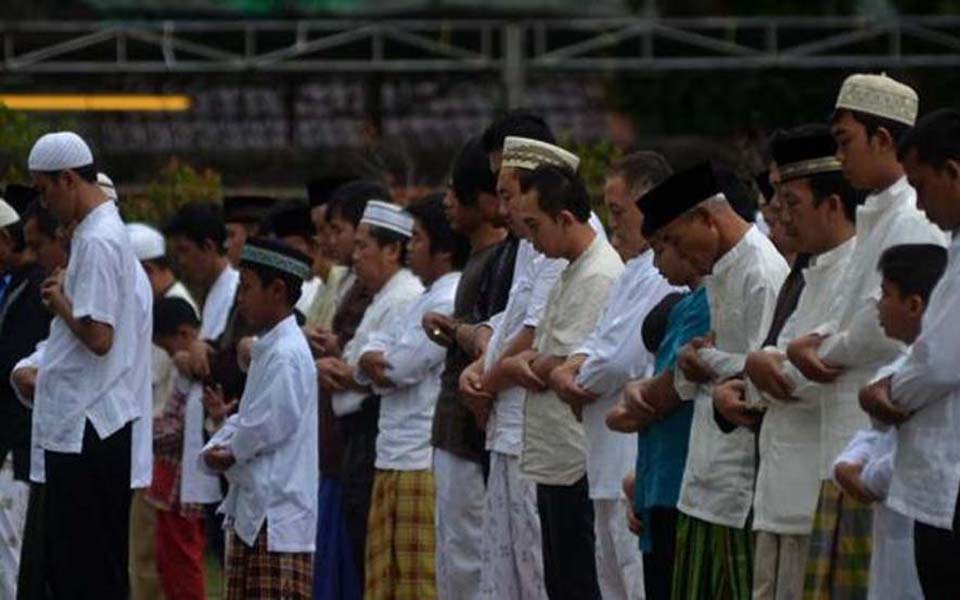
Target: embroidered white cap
{"points": [[59, 151], [106, 185], [526, 153], [147, 242], [880, 96], [388, 216], [8, 216]]}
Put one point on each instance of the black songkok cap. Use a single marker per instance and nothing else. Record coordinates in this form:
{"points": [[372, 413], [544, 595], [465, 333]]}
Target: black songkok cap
{"points": [[274, 254], [246, 209], [292, 217], [675, 196], [320, 191], [805, 151]]}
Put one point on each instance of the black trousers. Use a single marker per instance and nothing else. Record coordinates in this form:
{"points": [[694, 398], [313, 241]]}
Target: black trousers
{"points": [[658, 563], [87, 518], [569, 543], [32, 581], [357, 473], [937, 553]]}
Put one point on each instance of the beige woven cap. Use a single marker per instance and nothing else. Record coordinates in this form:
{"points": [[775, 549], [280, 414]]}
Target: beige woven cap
{"points": [[881, 96], [525, 153]]}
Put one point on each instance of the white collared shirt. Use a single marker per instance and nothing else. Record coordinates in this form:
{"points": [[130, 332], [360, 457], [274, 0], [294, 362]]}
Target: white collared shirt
{"points": [[615, 354], [140, 380], [406, 409], [927, 463], [308, 293], [274, 439], [857, 341], [788, 480], [742, 292], [395, 296], [554, 445], [75, 385]]}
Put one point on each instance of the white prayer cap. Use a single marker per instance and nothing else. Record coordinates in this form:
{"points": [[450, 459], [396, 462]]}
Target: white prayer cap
{"points": [[525, 153], [388, 216], [147, 242], [8, 216], [880, 96], [59, 151], [106, 185]]}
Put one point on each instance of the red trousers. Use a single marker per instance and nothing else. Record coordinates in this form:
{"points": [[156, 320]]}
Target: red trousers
{"points": [[179, 554]]}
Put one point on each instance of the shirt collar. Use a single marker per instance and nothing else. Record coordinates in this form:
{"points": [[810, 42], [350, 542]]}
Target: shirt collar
{"points": [[884, 200], [730, 260], [832, 256], [94, 216], [584, 257], [279, 331], [443, 281]]}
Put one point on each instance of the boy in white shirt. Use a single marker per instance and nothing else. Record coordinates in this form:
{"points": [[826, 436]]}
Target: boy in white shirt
{"points": [[268, 450], [864, 469]]}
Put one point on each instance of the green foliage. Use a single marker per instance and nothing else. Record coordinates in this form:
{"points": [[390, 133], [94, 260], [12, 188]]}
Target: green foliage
{"points": [[176, 184], [18, 132], [595, 159]]}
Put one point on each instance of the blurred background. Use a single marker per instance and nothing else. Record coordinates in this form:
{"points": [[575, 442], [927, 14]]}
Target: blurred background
{"points": [[186, 99]]}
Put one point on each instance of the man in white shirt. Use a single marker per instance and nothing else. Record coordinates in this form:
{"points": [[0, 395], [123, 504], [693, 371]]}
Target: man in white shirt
{"points": [[924, 393], [86, 397], [742, 273], [150, 249], [268, 450], [378, 259], [592, 379], [403, 366], [555, 209], [872, 113], [818, 215]]}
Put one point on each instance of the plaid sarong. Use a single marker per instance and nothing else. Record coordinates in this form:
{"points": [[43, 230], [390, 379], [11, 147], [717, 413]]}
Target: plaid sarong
{"points": [[838, 566], [401, 537], [712, 562], [254, 572]]}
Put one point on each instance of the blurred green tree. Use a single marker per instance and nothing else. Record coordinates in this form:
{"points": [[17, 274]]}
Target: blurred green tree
{"points": [[177, 184]]}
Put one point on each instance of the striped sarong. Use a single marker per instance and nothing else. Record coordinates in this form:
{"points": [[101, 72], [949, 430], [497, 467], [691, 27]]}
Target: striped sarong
{"points": [[838, 566], [255, 572], [401, 537], [713, 562]]}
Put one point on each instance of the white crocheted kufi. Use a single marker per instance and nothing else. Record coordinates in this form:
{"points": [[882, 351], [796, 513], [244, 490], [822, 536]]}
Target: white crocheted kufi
{"points": [[106, 185], [59, 151], [8, 216], [880, 96], [526, 153], [147, 242], [388, 216]]}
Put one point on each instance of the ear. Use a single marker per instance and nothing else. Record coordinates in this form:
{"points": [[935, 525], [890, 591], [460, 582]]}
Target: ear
{"points": [[915, 305], [952, 169], [209, 246], [884, 139], [566, 218]]}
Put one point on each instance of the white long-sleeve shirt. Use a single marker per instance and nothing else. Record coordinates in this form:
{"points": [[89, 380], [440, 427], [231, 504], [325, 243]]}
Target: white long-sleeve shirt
{"points": [[788, 480], [274, 439], [407, 407], [393, 298], [927, 474], [742, 292], [856, 339], [615, 354]]}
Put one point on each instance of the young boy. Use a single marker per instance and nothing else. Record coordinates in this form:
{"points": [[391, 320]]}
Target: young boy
{"points": [[864, 469], [268, 450], [180, 533]]}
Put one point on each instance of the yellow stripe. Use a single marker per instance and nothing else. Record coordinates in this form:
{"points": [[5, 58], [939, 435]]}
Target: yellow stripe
{"points": [[96, 102]]}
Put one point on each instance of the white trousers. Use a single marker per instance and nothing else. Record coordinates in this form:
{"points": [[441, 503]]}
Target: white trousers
{"points": [[512, 549], [779, 566], [14, 496], [619, 560], [460, 492]]}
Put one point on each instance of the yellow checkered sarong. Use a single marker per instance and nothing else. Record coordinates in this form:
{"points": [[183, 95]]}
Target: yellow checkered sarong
{"points": [[401, 537], [838, 566]]}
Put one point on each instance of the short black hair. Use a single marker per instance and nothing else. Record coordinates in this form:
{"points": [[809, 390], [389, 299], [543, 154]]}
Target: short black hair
{"points": [[558, 189], [47, 224], [471, 174], [169, 314], [824, 185], [914, 268], [385, 237], [643, 169], [290, 218], [935, 137], [520, 122], [199, 222], [162, 262], [430, 214], [873, 123], [350, 199], [87, 173]]}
